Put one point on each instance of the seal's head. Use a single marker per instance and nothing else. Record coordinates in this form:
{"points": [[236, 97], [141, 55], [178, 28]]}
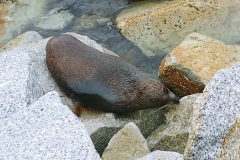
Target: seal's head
{"points": [[154, 93]]}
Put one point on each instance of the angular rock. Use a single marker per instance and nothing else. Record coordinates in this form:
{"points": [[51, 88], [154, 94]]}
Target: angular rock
{"points": [[173, 134], [215, 126], [45, 129], [20, 83], [30, 85], [24, 75], [128, 143], [101, 126], [102, 81], [189, 67], [162, 155], [160, 26], [23, 39]]}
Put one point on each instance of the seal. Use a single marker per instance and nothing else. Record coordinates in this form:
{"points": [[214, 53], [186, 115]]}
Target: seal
{"points": [[103, 81]]}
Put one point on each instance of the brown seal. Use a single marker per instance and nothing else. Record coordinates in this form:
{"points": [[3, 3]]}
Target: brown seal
{"points": [[100, 80]]}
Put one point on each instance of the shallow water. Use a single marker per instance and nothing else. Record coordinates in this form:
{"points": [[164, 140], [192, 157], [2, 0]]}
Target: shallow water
{"points": [[94, 18], [87, 17]]}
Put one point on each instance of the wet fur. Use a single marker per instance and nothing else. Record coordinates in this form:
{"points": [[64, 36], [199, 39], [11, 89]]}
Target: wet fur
{"points": [[103, 81]]}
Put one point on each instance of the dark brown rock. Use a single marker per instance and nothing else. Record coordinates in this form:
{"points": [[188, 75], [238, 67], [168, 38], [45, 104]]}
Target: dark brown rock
{"points": [[102, 81], [178, 83], [191, 65]]}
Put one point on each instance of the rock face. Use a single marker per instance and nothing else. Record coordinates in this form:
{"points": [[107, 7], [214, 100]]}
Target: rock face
{"points": [[128, 143], [105, 82], [19, 14], [23, 39], [24, 70], [215, 127], [189, 67], [173, 134], [101, 126], [160, 26], [19, 79], [162, 155], [45, 129], [25, 78]]}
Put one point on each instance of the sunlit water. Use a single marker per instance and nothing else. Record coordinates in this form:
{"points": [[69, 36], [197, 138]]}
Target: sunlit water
{"points": [[94, 18]]}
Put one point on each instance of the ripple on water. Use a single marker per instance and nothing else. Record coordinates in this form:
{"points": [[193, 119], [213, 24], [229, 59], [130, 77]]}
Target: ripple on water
{"points": [[93, 18]]}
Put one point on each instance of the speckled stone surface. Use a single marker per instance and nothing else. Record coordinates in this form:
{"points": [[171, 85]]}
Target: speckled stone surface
{"points": [[24, 78], [160, 26], [19, 82], [215, 126], [173, 134], [102, 126], [45, 130], [127, 144], [162, 155]]}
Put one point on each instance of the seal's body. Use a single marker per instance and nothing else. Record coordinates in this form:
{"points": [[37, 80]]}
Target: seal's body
{"points": [[100, 80]]}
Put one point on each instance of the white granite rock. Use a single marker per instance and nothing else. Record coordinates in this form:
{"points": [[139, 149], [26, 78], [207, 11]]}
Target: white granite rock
{"points": [[23, 39], [45, 130], [101, 126], [216, 119], [173, 134], [24, 70], [25, 76], [162, 155], [19, 81], [128, 143]]}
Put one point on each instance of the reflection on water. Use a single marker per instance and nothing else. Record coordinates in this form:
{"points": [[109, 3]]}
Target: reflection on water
{"points": [[87, 17], [94, 18]]}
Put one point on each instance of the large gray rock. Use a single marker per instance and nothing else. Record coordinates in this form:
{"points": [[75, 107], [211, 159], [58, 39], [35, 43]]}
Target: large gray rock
{"points": [[45, 130], [173, 134], [128, 143], [101, 126], [25, 78], [19, 81], [216, 119], [24, 72], [162, 155]]}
